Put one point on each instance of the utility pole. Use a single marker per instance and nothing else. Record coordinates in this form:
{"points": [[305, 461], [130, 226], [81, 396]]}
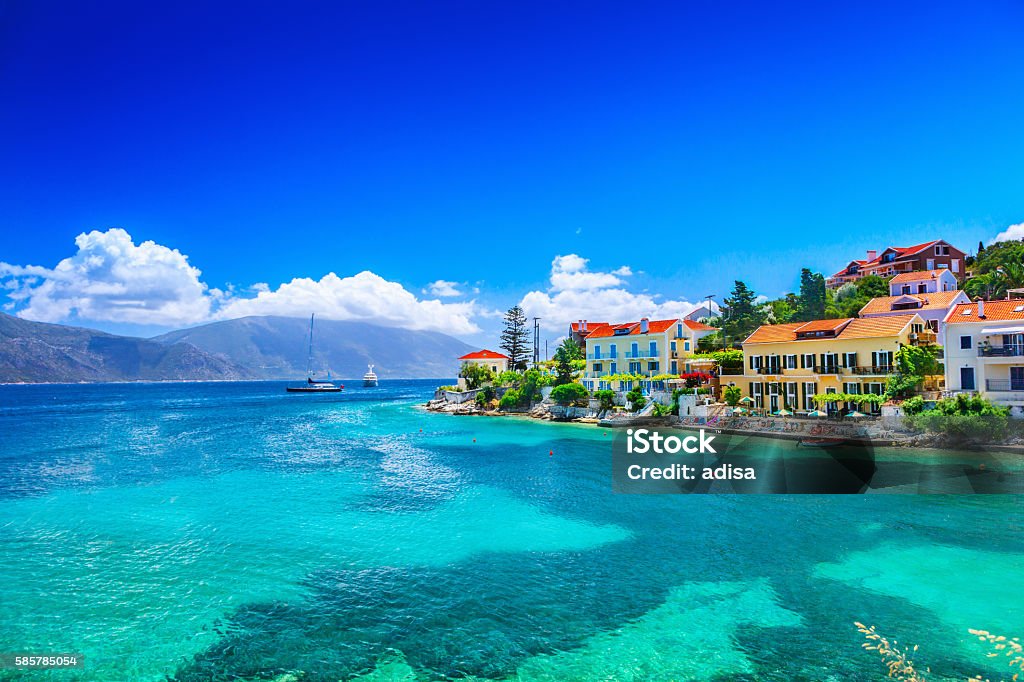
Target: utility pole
{"points": [[709, 297], [536, 341], [545, 350]]}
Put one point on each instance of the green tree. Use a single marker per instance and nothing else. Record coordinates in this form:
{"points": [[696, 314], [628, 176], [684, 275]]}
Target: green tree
{"points": [[515, 338], [475, 375], [569, 394], [605, 398], [872, 286], [732, 394], [568, 353], [743, 314], [913, 364], [636, 399], [812, 297]]}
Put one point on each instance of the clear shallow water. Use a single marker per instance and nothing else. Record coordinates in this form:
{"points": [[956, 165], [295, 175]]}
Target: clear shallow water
{"points": [[231, 531]]}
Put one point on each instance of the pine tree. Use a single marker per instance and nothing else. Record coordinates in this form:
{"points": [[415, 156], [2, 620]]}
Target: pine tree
{"points": [[812, 296], [515, 339], [568, 352], [743, 315]]}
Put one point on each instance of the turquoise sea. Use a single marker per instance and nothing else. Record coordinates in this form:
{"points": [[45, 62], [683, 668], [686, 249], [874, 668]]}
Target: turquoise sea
{"points": [[233, 532]]}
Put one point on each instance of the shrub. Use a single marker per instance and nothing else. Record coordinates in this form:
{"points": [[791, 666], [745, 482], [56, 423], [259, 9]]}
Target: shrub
{"points": [[695, 379], [569, 394], [636, 399], [508, 378], [964, 418], [606, 399], [510, 399], [913, 405], [664, 410], [485, 396], [733, 395]]}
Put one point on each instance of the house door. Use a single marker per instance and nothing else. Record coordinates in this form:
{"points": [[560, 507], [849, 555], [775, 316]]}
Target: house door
{"points": [[773, 397], [966, 378], [1017, 378]]}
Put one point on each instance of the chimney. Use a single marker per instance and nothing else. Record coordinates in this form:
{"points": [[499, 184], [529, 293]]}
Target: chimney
{"points": [[583, 328], [981, 307], [872, 255], [644, 326]]}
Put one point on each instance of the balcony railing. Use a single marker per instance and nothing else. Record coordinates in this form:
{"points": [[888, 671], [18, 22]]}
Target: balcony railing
{"points": [[642, 354], [1012, 351], [996, 386], [598, 356]]}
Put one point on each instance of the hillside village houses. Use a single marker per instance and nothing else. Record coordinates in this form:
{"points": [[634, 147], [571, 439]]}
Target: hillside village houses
{"points": [[785, 365], [648, 347], [985, 351], [896, 260]]}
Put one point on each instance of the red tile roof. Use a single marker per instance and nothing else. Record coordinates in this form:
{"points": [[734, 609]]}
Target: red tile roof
{"points": [[699, 326], [654, 327], [916, 276], [484, 355], [574, 327]]}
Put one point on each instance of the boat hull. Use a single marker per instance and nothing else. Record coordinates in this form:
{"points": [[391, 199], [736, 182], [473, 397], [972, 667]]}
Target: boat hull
{"points": [[304, 389]]}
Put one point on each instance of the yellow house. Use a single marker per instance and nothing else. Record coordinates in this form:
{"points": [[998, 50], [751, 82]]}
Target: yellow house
{"points": [[648, 347], [787, 364]]}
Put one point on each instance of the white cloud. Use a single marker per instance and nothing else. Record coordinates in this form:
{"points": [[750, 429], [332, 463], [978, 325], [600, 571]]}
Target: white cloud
{"points": [[578, 293], [444, 288], [364, 296], [1012, 233], [112, 279]]}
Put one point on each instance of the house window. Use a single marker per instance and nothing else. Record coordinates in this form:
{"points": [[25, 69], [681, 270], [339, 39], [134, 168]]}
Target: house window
{"points": [[612, 351], [922, 288], [931, 264], [755, 393], [966, 342], [635, 349], [906, 288], [755, 362], [652, 366], [790, 362], [810, 389], [613, 368], [675, 367], [654, 349], [686, 345], [807, 361], [672, 346], [956, 265], [679, 331], [917, 328], [597, 366], [849, 359], [597, 352], [634, 368]]}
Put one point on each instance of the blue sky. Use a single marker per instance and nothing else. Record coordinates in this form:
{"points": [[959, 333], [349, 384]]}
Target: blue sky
{"points": [[475, 142]]}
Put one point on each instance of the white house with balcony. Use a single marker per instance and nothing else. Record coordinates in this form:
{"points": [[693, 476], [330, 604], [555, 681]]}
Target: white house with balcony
{"points": [[985, 351], [923, 282]]}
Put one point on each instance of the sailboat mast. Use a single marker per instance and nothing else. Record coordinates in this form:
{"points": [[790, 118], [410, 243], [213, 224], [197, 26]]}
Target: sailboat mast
{"points": [[309, 358]]}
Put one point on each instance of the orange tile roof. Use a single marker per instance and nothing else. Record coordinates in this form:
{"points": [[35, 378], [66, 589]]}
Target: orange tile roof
{"points": [[484, 355], [699, 326], [916, 276], [574, 327], [995, 311], [822, 325], [939, 300], [654, 327], [856, 328]]}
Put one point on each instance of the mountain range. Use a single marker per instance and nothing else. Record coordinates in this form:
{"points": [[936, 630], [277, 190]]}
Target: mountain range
{"points": [[246, 348], [277, 347]]}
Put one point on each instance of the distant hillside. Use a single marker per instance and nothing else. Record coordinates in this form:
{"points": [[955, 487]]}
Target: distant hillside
{"points": [[276, 347], [40, 352]]}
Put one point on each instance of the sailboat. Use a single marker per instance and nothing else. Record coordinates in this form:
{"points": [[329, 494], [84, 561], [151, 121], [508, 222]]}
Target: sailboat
{"points": [[312, 385], [369, 379]]}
